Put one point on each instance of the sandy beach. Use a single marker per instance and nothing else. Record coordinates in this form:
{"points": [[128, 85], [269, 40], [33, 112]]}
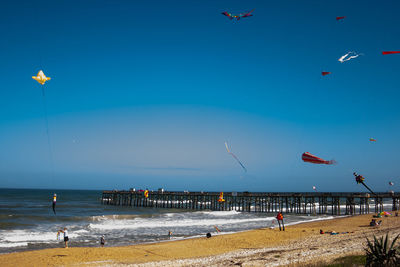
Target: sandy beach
{"points": [[300, 243]]}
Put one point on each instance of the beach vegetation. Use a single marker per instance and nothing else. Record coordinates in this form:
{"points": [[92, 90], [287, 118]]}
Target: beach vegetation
{"points": [[382, 252]]}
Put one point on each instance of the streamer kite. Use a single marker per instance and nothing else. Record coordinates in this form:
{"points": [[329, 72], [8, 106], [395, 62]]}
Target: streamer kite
{"points": [[390, 52], [308, 157], [233, 155], [360, 180], [239, 16], [340, 18], [216, 228], [324, 73], [54, 203], [348, 56]]}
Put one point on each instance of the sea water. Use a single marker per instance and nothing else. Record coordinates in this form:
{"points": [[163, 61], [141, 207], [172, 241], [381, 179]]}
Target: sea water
{"points": [[27, 221]]}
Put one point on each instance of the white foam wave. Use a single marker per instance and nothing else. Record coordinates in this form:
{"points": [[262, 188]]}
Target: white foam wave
{"points": [[157, 223], [14, 244], [29, 236]]}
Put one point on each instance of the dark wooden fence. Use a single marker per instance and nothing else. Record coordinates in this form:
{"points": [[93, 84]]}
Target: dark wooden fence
{"points": [[298, 203]]}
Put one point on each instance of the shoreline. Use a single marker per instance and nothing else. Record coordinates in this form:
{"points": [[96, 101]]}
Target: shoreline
{"points": [[301, 238]]}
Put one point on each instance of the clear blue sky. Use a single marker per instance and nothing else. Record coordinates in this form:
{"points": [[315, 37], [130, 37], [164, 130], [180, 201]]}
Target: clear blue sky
{"points": [[145, 93]]}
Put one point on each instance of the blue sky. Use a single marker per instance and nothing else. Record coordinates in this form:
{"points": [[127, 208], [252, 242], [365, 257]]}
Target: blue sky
{"points": [[145, 93]]}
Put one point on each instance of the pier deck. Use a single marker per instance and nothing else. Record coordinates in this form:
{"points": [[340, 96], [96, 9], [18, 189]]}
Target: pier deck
{"points": [[296, 203]]}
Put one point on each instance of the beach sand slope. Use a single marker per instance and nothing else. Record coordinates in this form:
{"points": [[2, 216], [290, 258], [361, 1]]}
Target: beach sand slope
{"points": [[301, 243]]}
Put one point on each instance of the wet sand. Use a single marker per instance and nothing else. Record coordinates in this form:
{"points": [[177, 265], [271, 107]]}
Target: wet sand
{"points": [[300, 243]]}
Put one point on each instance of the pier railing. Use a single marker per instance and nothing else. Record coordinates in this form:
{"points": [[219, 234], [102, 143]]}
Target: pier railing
{"points": [[297, 203]]}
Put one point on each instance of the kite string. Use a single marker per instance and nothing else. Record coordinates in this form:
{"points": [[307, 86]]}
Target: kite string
{"points": [[48, 134]]}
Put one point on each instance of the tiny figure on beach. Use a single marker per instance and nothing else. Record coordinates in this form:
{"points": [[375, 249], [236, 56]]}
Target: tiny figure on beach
{"points": [[54, 203], [102, 241], [169, 234], [279, 217], [65, 232], [208, 235], [374, 222]]}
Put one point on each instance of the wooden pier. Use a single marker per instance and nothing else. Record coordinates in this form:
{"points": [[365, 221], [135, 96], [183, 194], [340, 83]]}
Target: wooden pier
{"points": [[296, 203]]}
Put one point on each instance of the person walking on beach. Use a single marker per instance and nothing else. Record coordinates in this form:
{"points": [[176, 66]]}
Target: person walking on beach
{"points": [[102, 241], [279, 217], [169, 234], [65, 232]]}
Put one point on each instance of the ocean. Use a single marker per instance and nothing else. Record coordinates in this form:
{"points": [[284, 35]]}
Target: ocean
{"points": [[27, 221]]}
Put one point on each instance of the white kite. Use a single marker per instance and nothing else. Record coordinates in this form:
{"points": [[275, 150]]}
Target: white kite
{"points": [[348, 56], [314, 188], [233, 155]]}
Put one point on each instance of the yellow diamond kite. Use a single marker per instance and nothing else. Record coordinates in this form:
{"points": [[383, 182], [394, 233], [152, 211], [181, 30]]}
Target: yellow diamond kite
{"points": [[41, 78]]}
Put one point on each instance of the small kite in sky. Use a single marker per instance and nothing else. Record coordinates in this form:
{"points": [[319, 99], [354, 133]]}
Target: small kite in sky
{"points": [[340, 18], [390, 52], [308, 157], [360, 180], [41, 78], [348, 56], [237, 17], [314, 188], [372, 139], [325, 73], [391, 183], [233, 155]]}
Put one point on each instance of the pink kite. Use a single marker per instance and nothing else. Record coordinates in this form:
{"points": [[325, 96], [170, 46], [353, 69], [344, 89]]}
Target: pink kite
{"points": [[308, 157], [390, 52], [325, 73]]}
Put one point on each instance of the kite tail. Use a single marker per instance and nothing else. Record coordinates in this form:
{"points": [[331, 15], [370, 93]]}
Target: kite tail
{"points": [[368, 188], [330, 162], [48, 134], [233, 155]]}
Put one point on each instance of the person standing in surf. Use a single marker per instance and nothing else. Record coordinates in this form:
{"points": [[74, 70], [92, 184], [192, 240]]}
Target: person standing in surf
{"points": [[102, 241], [54, 203], [279, 217], [65, 232]]}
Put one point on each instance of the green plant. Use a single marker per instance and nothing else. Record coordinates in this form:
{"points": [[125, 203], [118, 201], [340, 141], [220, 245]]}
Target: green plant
{"points": [[381, 253]]}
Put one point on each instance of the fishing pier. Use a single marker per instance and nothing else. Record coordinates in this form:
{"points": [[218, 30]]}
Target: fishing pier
{"points": [[296, 203]]}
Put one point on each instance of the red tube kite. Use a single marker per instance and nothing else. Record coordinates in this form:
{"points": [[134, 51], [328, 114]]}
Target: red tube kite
{"points": [[340, 18], [308, 157], [325, 73], [372, 139], [390, 52]]}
